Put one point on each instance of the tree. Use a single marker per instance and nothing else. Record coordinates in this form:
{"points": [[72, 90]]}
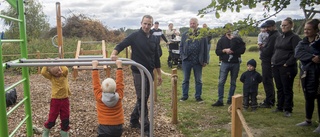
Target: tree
{"points": [[36, 20], [218, 6]]}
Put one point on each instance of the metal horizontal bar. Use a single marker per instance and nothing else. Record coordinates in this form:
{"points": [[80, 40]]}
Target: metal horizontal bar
{"points": [[10, 18], [20, 124], [11, 40], [69, 60], [14, 85], [16, 106], [9, 64]]}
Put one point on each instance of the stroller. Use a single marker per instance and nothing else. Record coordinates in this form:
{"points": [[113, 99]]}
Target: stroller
{"points": [[174, 53]]}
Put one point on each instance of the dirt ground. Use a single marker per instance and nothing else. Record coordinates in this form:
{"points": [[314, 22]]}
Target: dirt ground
{"points": [[83, 116]]}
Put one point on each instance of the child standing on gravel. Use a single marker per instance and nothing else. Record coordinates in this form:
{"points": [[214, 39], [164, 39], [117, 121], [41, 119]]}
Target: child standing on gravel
{"points": [[59, 104], [109, 97], [250, 79]]}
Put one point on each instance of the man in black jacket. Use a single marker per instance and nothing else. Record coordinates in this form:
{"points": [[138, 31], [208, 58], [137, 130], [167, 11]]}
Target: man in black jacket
{"points": [[265, 55], [145, 52], [223, 50]]}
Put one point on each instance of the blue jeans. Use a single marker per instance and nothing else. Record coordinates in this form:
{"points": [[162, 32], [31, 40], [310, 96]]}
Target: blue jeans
{"points": [[224, 70], [197, 71]]}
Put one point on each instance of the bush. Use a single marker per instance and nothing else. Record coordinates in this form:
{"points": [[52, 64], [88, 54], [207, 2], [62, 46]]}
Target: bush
{"points": [[253, 49]]}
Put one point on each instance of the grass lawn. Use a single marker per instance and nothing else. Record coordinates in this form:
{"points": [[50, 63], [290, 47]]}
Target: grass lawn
{"points": [[203, 120]]}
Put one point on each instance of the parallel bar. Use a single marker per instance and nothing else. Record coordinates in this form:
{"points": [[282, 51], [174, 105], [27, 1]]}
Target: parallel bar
{"points": [[9, 64], [11, 40], [68, 60], [91, 56], [17, 105], [20, 124], [10, 18]]}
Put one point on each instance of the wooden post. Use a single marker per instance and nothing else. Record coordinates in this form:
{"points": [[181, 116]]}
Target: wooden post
{"points": [[236, 126], [174, 86], [59, 30], [155, 84], [38, 57]]}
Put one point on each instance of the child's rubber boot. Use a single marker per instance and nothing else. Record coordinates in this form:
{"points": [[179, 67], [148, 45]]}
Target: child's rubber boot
{"points": [[64, 133], [45, 132]]}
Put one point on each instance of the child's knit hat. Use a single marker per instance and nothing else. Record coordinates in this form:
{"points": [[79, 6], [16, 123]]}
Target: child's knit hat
{"points": [[252, 62]]}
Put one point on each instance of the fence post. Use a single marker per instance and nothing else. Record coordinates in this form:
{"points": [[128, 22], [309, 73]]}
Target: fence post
{"points": [[236, 126], [38, 57], [174, 96]]}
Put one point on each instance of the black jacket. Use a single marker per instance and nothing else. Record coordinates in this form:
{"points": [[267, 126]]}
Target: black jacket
{"points": [[144, 50], [225, 43], [284, 49], [268, 49], [251, 80], [158, 33], [304, 53]]}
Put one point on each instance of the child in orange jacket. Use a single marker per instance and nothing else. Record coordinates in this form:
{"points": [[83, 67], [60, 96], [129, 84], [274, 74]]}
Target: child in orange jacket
{"points": [[109, 97]]}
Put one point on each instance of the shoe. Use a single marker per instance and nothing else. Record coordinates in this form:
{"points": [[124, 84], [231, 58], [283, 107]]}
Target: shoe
{"points": [[183, 99], [217, 104], [304, 123], [264, 105], [229, 102], [277, 110], [135, 125], [254, 109], [317, 130], [287, 114], [199, 100]]}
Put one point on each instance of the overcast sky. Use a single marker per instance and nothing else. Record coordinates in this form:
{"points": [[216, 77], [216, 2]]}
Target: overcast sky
{"points": [[128, 13]]}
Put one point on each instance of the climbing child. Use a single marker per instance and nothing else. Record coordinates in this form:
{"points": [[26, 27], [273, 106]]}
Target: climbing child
{"points": [[250, 79], [108, 96], [59, 104]]}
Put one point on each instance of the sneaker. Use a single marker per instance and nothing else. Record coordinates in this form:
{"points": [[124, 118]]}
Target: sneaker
{"points": [[217, 104], [183, 99], [135, 125], [304, 123], [264, 105], [277, 110], [317, 130], [287, 114], [229, 102], [199, 100]]}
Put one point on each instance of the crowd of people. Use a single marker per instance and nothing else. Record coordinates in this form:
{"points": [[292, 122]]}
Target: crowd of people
{"points": [[279, 55]]}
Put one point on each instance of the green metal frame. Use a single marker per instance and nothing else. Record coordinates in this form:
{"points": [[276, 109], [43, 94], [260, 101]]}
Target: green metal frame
{"points": [[4, 130]]}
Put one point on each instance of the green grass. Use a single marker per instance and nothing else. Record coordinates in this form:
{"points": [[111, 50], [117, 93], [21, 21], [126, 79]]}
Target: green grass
{"points": [[204, 120]]}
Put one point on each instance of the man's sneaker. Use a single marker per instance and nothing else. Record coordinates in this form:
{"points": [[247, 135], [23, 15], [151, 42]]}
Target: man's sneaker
{"points": [[183, 99], [217, 104], [229, 102], [135, 125], [287, 114], [304, 123], [199, 100], [265, 105]]}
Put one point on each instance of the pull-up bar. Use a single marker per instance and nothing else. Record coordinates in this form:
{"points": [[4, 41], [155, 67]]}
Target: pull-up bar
{"points": [[102, 61], [69, 60]]}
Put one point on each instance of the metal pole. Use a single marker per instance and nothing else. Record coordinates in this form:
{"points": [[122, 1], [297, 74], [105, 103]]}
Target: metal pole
{"points": [[68, 60]]}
